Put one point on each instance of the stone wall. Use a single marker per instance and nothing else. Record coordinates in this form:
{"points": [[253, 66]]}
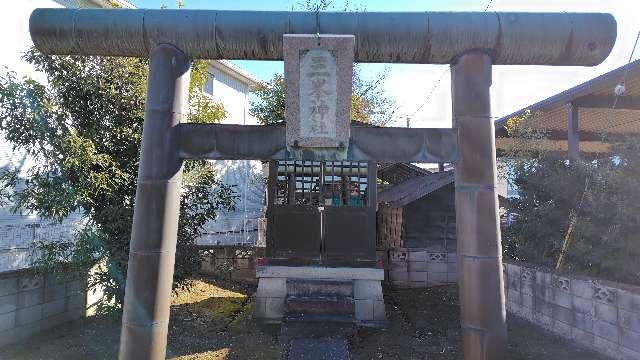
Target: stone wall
{"points": [[231, 262], [598, 314], [418, 268], [32, 303]]}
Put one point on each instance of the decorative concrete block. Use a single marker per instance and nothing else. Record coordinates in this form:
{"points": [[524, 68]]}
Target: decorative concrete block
{"points": [[364, 310], [8, 303], [560, 282], [27, 281], [630, 339], [398, 255], [379, 310], [272, 287], [606, 330], [28, 315], [604, 294], [438, 257], [367, 289], [629, 320], [606, 313], [417, 266], [318, 72]]}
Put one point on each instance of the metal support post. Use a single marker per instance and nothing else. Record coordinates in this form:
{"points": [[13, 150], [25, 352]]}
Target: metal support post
{"points": [[573, 135]]}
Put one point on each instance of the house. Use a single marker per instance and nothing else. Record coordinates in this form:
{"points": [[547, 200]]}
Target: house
{"points": [[230, 85], [416, 230]]}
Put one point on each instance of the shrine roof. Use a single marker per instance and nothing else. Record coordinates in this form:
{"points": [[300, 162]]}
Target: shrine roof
{"points": [[415, 188]]}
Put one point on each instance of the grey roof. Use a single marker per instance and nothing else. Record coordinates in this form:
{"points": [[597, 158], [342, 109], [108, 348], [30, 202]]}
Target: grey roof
{"points": [[415, 188]]}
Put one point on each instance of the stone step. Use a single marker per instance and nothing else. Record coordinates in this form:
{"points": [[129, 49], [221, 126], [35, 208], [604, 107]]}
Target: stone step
{"points": [[313, 288], [308, 306]]}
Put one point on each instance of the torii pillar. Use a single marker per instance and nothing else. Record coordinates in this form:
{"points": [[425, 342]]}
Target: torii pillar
{"points": [[469, 42]]}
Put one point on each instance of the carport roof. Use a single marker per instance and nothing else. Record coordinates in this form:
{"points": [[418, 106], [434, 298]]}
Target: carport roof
{"points": [[598, 117]]}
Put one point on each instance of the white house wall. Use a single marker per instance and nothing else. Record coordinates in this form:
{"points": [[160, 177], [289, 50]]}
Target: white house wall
{"points": [[245, 177]]}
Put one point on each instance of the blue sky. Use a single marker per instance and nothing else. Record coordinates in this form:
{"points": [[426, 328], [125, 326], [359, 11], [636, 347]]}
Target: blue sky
{"points": [[266, 69], [422, 92]]}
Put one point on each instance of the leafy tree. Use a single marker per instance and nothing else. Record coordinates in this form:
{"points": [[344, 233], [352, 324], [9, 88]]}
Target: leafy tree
{"points": [[581, 216], [83, 129], [369, 102]]}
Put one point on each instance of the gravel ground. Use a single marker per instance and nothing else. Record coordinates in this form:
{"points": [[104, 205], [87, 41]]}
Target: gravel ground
{"points": [[212, 320]]}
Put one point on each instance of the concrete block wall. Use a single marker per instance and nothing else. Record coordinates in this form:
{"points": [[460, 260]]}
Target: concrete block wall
{"points": [[419, 268], [32, 303], [597, 314], [231, 262]]}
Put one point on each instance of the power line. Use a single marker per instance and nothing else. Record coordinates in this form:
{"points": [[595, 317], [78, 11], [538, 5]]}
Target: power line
{"points": [[435, 85]]}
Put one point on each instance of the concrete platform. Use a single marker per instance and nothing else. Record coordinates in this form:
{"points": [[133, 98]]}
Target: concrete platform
{"points": [[367, 290]]}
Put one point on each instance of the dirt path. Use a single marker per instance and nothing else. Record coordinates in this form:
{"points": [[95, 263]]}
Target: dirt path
{"points": [[213, 320]]}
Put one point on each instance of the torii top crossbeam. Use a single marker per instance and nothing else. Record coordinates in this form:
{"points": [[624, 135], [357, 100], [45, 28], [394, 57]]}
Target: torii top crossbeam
{"points": [[400, 37]]}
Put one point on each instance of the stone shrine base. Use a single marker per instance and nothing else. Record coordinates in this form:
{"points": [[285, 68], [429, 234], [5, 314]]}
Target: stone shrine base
{"points": [[358, 289]]}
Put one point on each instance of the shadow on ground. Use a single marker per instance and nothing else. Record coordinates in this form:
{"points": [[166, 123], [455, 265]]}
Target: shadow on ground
{"points": [[211, 319]]}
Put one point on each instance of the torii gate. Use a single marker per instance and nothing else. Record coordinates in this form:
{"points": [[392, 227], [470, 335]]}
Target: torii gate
{"points": [[470, 42]]}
